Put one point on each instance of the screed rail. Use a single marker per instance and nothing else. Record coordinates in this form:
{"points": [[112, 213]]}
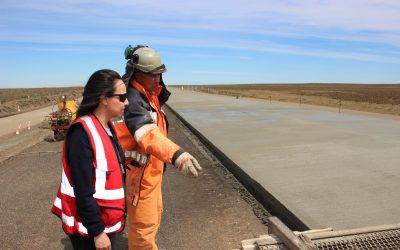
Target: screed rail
{"points": [[280, 237]]}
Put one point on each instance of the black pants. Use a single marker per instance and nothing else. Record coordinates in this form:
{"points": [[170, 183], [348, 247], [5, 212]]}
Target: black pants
{"points": [[82, 243]]}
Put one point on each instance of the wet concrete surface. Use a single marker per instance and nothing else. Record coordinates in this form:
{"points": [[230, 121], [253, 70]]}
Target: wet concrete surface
{"points": [[212, 211], [329, 169]]}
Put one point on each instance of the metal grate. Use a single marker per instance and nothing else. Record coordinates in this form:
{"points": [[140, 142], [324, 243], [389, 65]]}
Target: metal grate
{"points": [[273, 247], [385, 240], [381, 237]]}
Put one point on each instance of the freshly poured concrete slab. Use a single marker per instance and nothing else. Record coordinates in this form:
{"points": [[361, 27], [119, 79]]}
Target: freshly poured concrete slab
{"points": [[330, 169]]}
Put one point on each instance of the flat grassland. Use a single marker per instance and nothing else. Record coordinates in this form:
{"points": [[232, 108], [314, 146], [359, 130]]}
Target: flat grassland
{"points": [[377, 98], [28, 99]]}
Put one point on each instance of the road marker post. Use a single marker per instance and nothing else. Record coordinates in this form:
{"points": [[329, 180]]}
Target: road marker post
{"points": [[19, 127]]}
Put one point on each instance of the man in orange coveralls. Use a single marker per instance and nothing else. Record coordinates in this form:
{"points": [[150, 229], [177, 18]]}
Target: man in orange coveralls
{"points": [[143, 137]]}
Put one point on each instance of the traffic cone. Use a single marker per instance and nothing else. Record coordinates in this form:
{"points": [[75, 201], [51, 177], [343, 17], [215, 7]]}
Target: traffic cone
{"points": [[19, 127]]}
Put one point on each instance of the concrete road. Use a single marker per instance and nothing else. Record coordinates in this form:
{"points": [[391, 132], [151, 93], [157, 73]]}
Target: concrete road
{"points": [[330, 169]]}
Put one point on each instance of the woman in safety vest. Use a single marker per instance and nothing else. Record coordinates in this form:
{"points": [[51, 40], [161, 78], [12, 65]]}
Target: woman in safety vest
{"points": [[91, 197], [143, 136]]}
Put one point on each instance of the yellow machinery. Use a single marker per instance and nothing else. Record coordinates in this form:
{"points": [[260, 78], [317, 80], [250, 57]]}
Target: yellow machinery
{"points": [[61, 119]]}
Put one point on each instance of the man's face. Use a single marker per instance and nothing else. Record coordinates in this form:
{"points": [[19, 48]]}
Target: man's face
{"points": [[150, 82]]}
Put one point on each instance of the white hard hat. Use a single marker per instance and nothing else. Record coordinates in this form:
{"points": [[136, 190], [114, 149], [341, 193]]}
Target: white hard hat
{"points": [[148, 60]]}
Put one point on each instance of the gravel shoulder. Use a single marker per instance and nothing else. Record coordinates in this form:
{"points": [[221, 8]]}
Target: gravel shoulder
{"points": [[212, 211]]}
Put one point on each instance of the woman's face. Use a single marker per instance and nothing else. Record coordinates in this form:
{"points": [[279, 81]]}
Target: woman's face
{"points": [[115, 107], [150, 82]]}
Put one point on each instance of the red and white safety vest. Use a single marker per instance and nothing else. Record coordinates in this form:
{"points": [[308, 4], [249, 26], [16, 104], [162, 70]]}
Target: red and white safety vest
{"points": [[108, 184]]}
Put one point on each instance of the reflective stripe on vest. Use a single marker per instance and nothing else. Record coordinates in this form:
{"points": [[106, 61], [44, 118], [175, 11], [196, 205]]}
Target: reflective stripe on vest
{"points": [[66, 187], [101, 169], [69, 221]]}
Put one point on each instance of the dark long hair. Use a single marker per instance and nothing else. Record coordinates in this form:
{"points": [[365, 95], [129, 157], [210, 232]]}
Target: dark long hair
{"points": [[100, 83]]}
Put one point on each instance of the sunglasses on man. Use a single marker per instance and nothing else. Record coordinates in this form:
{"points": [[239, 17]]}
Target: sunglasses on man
{"points": [[122, 97]]}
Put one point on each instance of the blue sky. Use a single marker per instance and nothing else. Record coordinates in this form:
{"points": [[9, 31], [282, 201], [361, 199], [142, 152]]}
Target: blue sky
{"points": [[47, 43]]}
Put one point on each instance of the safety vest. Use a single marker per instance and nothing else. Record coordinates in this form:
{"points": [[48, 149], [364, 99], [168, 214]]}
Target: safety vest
{"points": [[136, 158], [108, 184]]}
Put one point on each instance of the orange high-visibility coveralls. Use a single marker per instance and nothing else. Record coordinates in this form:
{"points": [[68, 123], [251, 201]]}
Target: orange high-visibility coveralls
{"points": [[146, 122]]}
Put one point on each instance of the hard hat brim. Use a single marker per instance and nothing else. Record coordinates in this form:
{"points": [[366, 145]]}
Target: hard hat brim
{"points": [[158, 70]]}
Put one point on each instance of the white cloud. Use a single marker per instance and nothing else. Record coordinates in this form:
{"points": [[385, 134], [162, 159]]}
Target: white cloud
{"points": [[234, 24], [340, 14], [91, 41]]}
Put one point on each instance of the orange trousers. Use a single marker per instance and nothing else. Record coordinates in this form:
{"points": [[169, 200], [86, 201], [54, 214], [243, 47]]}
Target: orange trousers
{"points": [[144, 220]]}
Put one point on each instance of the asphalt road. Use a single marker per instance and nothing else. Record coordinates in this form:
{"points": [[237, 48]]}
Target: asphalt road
{"points": [[209, 212]]}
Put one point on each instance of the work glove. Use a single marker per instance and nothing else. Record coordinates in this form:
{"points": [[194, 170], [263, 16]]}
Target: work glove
{"points": [[187, 164]]}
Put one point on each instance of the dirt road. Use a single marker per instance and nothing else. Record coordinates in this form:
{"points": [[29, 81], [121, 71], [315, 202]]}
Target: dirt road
{"points": [[208, 212], [10, 124]]}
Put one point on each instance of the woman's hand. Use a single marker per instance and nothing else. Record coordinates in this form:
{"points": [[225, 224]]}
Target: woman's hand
{"points": [[102, 242]]}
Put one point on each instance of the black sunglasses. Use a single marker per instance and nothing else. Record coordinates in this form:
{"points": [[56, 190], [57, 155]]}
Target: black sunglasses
{"points": [[122, 97]]}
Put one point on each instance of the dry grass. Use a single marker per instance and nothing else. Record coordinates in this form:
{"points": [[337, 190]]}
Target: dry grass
{"points": [[33, 98], [378, 98]]}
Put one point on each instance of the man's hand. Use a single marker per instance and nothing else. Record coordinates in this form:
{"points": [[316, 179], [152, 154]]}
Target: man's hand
{"points": [[102, 242], [187, 164]]}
